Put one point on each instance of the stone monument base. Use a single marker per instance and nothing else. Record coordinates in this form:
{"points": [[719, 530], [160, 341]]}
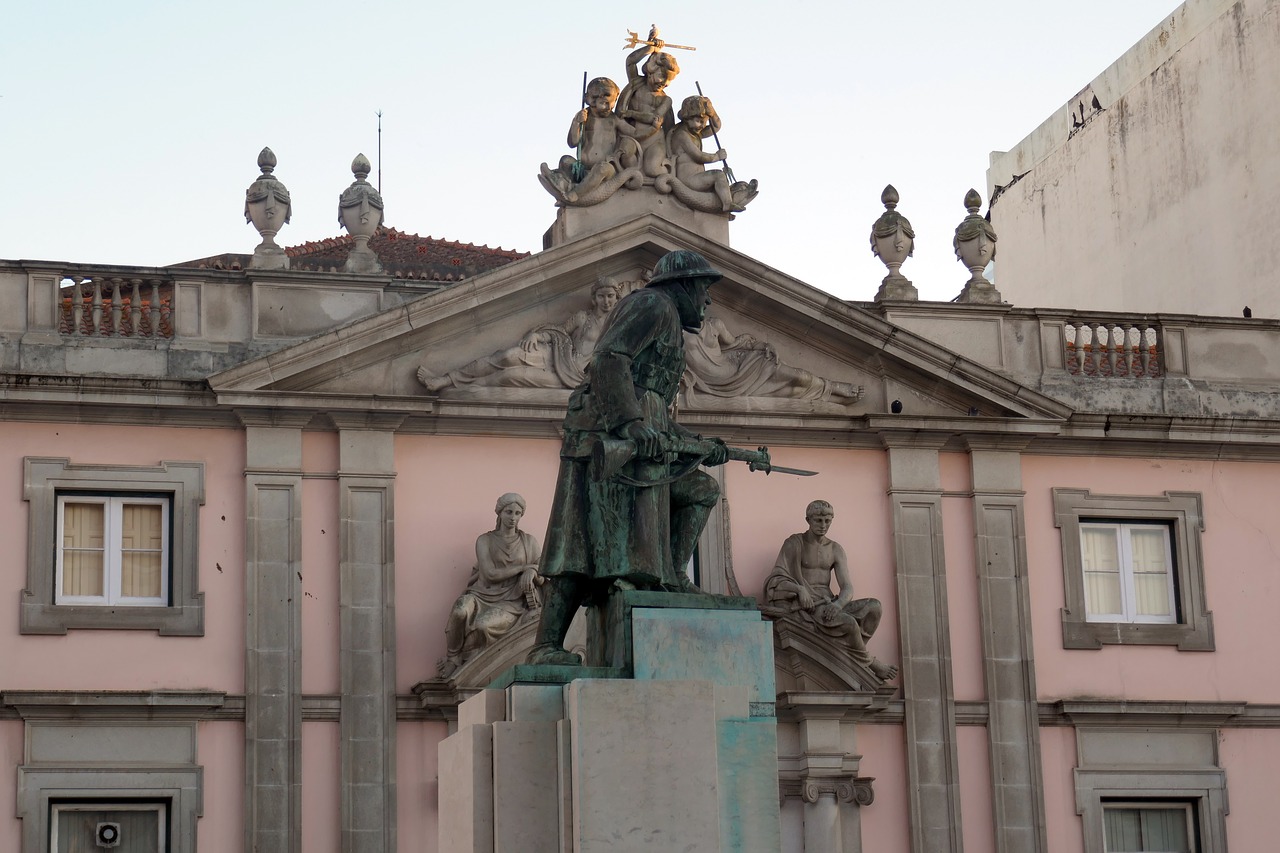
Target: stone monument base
{"points": [[574, 223], [675, 749]]}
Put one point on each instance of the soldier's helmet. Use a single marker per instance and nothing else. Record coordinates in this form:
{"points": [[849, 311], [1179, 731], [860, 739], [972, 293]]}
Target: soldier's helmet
{"points": [[683, 264]]}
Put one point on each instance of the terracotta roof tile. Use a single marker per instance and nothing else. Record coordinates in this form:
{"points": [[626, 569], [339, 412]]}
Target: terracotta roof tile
{"points": [[403, 255], [406, 255]]}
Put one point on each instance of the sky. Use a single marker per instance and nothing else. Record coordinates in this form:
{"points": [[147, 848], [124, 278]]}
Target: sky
{"points": [[131, 129]]}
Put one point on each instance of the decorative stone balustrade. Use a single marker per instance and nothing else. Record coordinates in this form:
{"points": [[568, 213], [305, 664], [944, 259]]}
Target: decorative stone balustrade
{"points": [[1112, 350], [115, 307]]}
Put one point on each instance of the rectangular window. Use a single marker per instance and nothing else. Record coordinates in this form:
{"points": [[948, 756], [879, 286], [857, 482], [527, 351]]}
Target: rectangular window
{"points": [[119, 827], [112, 547], [113, 550], [1128, 572], [1133, 571], [1145, 827]]}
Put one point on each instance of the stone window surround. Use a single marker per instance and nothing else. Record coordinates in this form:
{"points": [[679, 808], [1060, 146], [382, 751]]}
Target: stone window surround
{"points": [[1205, 790], [44, 478], [1162, 751], [1183, 512], [179, 788], [158, 764]]}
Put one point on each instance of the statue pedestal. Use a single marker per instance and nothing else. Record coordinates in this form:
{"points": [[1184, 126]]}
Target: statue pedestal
{"points": [[574, 223], [677, 751]]}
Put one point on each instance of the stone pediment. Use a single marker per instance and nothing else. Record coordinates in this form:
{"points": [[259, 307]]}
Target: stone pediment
{"points": [[779, 353]]}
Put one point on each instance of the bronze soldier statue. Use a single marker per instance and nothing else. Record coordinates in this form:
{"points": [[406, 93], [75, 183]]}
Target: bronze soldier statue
{"points": [[630, 501]]}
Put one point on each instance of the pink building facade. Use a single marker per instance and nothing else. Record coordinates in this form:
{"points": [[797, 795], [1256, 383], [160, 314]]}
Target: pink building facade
{"points": [[240, 504], [321, 507]]}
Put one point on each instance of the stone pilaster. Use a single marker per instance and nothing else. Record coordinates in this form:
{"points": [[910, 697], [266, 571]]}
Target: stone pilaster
{"points": [[273, 632], [915, 493], [826, 780], [367, 631], [1013, 730]]}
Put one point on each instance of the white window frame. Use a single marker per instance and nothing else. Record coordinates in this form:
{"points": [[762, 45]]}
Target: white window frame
{"points": [[1128, 594], [113, 550], [162, 838], [1187, 809]]}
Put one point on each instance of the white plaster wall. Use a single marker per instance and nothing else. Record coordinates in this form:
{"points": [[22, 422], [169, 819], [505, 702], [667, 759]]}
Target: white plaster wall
{"points": [[1163, 201]]}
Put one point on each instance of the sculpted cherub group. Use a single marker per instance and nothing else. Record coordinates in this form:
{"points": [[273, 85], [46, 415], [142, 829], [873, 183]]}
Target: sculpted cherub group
{"points": [[630, 138]]}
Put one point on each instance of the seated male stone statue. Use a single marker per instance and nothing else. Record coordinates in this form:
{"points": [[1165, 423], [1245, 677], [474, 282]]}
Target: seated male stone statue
{"points": [[800, 587]]}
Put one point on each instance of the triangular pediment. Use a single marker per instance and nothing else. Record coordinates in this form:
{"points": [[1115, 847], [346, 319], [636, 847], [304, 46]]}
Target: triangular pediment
{"points": [[779, 352]]}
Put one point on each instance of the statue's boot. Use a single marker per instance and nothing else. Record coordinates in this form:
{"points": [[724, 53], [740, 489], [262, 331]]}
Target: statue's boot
{"points": [[560, 600], [686, 527]]}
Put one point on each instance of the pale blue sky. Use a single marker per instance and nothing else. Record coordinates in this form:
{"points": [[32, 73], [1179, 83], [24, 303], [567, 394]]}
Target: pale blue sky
{"points": [[130, 129]]}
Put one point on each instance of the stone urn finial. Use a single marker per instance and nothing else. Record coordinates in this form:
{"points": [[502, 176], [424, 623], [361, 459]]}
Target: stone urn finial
{"points": [[267, 208], [975, 245], [893, 241], [360, 212]]}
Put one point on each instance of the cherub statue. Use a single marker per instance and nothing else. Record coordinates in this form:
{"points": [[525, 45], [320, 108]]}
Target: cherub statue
{"points": [[546, 357], [503, 588], [644, 102], [608, 151], [800, 588], [698, 120]]}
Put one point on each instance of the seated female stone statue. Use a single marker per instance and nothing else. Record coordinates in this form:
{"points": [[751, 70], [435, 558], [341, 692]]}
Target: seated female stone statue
{"points": [[503, 588]]}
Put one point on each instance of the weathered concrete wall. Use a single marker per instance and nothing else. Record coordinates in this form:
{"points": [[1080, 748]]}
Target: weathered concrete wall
{"points": [[1164, 199]]}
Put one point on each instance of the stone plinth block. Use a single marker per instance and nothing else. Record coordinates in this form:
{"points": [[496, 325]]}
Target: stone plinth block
{"points": [[624, 206], [644, 772], [748, 772], [526, 793], [682, 756], [725, 647], [525, 673], [466, 790], [609, 633], [487, 706], [535, 702]]}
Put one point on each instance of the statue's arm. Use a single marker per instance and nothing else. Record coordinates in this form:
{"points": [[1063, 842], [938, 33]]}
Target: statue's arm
{"points": [[635, 58], [840, 565], [576, 127], [638, 133], [611, 386], [713, 121], [788, 584], [685, 144], [635, 324], [533, 551], [726, 338]]}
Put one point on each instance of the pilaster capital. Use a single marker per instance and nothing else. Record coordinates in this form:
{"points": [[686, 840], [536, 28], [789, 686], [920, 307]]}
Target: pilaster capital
{"points": [[892, 437], [991, 441], [375, 421], [845, 788], [273, 417]]}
